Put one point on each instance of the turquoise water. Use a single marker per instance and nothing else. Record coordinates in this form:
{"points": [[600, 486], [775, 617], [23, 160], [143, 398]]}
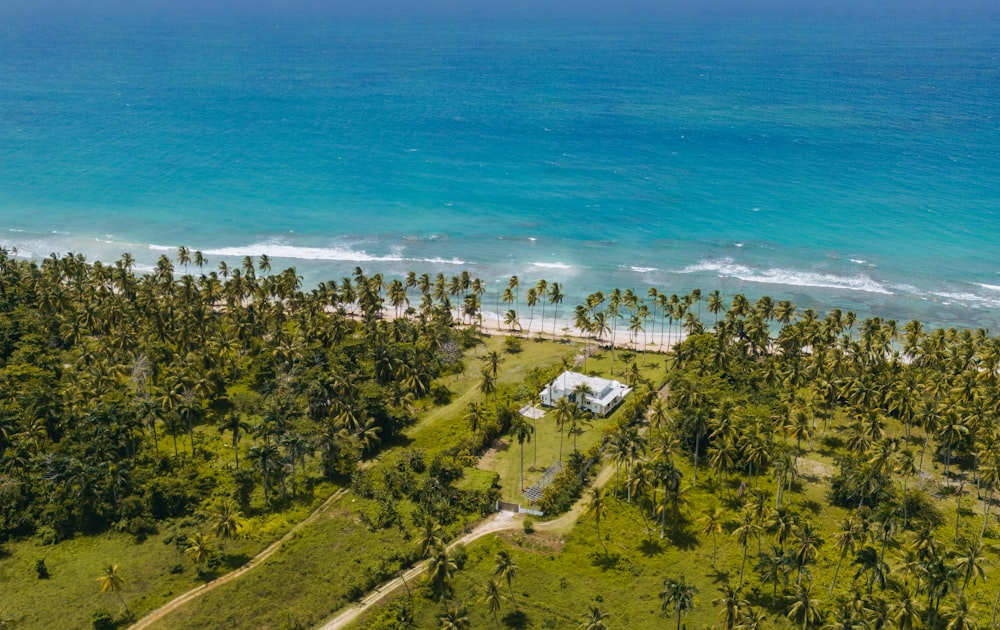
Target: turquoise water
{"points": [[837, 162]]}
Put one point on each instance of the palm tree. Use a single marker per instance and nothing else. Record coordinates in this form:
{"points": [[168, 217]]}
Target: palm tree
{"points": [[598, 507], [226, 518], [969, 562], [111, 581], [505, 569], [555, 298], [730, 605], [521, 429], [430, 537], [961, 616], [492, 598], [744, 533], [804, 611], [680, 595], [847, 539], [593, 619], [904, 609], [807, 543], [773, 568], [565, 412], [454, 617], [440, 570], [234, 422], [198, 550], [474, 415], [711, 523]]}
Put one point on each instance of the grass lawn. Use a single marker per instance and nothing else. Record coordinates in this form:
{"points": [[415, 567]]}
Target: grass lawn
{"points": [[321, 569]]}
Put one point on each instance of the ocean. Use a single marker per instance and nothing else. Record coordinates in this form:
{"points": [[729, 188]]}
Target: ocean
{"points": [[840, 162]]}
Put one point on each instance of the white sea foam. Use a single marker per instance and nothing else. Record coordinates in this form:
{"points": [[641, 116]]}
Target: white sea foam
{"points": [[790, 277], [161, 248], [339, 254], [556, 265], [858, 261], [969, 299], [991, 287], [642, 269]]}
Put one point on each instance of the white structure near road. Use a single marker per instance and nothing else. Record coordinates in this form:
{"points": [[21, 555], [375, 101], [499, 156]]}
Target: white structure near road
{"points": [[604, 395]]}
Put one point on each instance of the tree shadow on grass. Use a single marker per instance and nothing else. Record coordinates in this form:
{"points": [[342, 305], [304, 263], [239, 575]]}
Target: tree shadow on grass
{"points": [[516, 619], [719, 577], [651, 547], [831, 444], [812, 506], [605, 561], [683, 538], [235, 561]]}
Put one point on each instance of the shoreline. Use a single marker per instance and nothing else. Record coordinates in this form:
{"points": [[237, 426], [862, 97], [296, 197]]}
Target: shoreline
{"points": [[492, 327]]}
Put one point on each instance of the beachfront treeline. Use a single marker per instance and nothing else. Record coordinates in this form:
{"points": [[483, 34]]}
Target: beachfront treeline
{"points": [[110, 379], [107, 372]]}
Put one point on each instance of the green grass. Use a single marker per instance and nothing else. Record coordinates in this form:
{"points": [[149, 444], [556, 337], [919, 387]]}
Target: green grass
{"points": [[318, 571]]}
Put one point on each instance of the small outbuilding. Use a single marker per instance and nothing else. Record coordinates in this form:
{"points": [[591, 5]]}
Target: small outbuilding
{"points": [[600, 395]]}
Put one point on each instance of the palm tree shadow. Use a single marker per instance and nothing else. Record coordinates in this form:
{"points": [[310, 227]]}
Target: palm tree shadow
{"points": [[235, 561], [605, 561], [516, 619], [719, 577], [650, 548], [684, 539]]}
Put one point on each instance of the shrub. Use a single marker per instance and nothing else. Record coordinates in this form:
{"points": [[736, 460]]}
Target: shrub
{"points": [[440, 394], [512, 345]]}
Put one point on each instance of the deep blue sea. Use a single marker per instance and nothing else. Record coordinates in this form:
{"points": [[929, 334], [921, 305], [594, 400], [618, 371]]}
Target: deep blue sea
{"points": [[833, 162]]}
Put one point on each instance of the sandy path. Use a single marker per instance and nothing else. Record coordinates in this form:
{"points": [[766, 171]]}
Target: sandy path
{"points": [[197, 592], [501, 522]]}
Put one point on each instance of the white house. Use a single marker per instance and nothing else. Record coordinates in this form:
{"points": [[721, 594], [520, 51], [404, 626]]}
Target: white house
{"points": [[605, 395]]}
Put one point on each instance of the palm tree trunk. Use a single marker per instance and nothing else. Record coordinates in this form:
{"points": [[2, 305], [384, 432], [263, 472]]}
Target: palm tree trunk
{"points": [[743, 565], [522, 466], [836, 571], [986, 515]]}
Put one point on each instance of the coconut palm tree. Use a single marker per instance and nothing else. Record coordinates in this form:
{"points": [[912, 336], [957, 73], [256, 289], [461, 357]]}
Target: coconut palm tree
{"points": [[565, 413], [521, 430], [492, 598], [505, 568], [804, 611], [598, 507], [225, 517], [678, 594], [555, 299], [593, 619], [747, 530], [731, 606], [969, 562], [454, 617], [711, 523], [429, 538], [440, 570], [111, 581], [198, 550]]}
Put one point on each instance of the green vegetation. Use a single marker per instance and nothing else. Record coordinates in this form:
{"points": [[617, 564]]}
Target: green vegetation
{"points": [[158, 431]]}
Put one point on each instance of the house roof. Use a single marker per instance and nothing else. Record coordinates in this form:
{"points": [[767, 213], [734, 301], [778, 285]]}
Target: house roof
{"points": [[604, 390]]}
